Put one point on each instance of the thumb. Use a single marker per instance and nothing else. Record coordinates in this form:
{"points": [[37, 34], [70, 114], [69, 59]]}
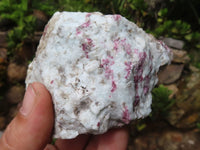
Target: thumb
{"points": [[32, 127]]}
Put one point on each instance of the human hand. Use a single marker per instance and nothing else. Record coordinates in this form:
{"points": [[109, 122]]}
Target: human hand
{"points": [[32, 128]]}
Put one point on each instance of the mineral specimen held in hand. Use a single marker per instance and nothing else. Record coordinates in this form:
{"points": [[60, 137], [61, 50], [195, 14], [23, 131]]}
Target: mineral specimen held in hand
{"points": [[99, 69]]}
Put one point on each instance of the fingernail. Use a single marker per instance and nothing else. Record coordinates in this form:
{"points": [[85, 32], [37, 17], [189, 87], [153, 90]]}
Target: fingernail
{"points": [[29, 100]]}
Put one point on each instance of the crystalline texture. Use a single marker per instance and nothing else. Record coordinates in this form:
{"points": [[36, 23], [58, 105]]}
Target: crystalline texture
{"points": [[99, 69]]}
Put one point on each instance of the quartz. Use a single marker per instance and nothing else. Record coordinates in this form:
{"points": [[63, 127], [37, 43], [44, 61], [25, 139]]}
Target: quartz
{"points": [[100, 70]]}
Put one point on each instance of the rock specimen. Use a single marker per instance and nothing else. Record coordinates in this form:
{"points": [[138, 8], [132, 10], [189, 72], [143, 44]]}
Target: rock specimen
{"points": [[99, 69]]}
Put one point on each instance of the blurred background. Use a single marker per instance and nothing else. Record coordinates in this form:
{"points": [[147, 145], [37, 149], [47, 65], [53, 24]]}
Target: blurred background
{"points": [[174, 123]]}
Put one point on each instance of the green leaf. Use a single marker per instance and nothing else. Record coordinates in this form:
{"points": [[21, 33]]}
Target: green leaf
{"points": [[163, 12], [188, 37], [160, 20], [198, 125], [132, 7], [141, 127], [24, 5], [174, 30], [197, 46], [161, 102]]}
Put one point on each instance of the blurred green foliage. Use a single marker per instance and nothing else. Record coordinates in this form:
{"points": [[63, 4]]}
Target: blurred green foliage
{"points": [[53, 141], [198, 125], [17, 14], [49, 7], [160, 20], [77, 5], [177, 29], [141, 125], [161, 103]]}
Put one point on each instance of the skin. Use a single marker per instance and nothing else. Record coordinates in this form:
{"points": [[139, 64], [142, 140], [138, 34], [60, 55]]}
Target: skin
{"points": [[32, 128]]}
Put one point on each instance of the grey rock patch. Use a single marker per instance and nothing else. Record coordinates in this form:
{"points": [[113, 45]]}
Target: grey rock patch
{"points": [[178, 44]]}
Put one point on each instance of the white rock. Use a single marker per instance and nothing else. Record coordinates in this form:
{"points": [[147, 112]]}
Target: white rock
{"points": [[99, 69]]}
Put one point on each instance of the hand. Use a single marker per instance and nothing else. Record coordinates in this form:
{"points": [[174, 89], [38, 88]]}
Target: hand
{"points": [[32, 128]]}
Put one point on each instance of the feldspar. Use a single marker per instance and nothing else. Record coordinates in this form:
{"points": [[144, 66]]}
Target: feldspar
{"points": [[99, 69]]}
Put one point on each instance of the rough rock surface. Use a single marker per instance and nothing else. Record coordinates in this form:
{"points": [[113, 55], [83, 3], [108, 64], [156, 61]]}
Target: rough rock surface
{"points": [[174, 43], [170, 73], [180, 56], [99, 69]]}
